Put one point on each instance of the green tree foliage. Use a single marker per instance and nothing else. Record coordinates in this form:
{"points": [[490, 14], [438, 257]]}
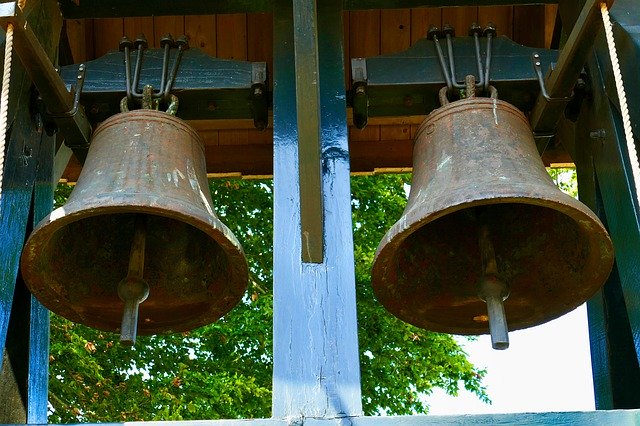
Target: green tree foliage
{"points": [[224, 370]]}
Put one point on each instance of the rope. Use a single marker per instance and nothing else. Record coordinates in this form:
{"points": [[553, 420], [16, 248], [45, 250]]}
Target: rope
{"points": [[4, 98], [622, 97]]}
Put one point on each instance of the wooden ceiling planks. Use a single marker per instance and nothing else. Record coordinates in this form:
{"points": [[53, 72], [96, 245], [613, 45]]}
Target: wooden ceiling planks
{"points": [[250, 37]]}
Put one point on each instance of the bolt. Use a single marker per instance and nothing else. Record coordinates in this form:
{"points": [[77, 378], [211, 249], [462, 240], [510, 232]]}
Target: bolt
{"points": [[598, 134], [433, 31], [447, 29], [360, 90], [257, 91], [166, 40], [141, 41], [212, 106], [490, 29], [183, 41], [475, 29], [125, 42], [408, 101]]}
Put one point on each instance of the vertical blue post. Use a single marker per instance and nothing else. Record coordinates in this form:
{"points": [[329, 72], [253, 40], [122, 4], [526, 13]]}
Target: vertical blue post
{"points": [[24, 327], [38, 335], [606, 186], [316, 361]]}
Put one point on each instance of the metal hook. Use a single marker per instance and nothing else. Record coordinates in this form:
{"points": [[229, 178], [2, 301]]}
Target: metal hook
{"points": [[449, 70]]}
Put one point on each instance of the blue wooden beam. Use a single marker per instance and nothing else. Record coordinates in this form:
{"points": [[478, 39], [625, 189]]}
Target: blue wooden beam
{"points": [[316, 361], [23, 323], [580, 418], [605, 184], [38, 331]]}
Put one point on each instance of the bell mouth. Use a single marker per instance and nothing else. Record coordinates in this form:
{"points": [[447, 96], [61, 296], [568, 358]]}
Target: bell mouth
{"points": [[552, 256], [196, 274]]}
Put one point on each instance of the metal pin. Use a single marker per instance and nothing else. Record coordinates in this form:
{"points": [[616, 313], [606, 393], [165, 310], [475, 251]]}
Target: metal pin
{"points": [[133, 290], [493, 291]]}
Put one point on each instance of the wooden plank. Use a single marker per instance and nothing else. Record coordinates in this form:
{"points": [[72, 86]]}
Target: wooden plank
{"points": [[395, 36], [78, 38], [422, 19], [550, 15], [460, 18], [121, 8], [133, 27], [106, 34], [528, 25], [201, 31], [231, 42], [500, 16], [173, 24], [364, 41]]}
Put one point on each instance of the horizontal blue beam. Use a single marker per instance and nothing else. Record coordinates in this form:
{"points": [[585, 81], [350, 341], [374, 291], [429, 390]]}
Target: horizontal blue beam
{"points": [[613, 417]]}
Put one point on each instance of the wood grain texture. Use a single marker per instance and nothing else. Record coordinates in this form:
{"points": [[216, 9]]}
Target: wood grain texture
{"points": [[395, 36], [133, 27], [231, 42], [500, 16], [202, 32], [106, 34], [162, 25], [313, 303], [364, 41], [422, 19], [528, 25], [460, 18], [81, 45]]}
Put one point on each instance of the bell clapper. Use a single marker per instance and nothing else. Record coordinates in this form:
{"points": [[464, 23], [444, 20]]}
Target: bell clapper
{"points": [[493, 291], [133, 289]]}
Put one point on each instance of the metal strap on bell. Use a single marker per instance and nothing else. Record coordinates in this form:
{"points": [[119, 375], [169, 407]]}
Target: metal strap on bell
{"points": [[485, 221], [139, 225]]}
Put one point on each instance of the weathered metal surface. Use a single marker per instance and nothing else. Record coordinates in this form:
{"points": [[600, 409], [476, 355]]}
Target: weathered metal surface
{"points": [[315, 360], [475, 161], [140, 162]]}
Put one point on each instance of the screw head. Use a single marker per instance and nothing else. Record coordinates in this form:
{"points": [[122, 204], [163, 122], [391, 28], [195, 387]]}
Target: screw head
{"points": [[124, 42], [475, 29]]}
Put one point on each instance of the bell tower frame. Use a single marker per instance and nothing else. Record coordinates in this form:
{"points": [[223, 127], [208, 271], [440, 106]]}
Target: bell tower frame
{"points": [[316, 364]]}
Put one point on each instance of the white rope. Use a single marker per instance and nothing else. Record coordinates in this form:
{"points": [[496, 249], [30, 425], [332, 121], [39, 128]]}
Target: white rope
{"points": [[622, 97], [4, 99]]}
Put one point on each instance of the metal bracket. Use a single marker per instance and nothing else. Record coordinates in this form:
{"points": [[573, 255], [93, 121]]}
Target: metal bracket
{"points": [[449, 74], [76, 90], [259, 96], [560, 82], [73, 124], [537, 67], [360, 97], [167, 80]]}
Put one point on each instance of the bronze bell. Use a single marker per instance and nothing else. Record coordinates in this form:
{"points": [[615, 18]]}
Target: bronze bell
{"points": [[139, 223], [485, 221]]}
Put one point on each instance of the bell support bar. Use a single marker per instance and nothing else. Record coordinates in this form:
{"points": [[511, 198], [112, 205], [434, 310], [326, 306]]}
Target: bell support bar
{"points": [[65, 111], [558, 84]]}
